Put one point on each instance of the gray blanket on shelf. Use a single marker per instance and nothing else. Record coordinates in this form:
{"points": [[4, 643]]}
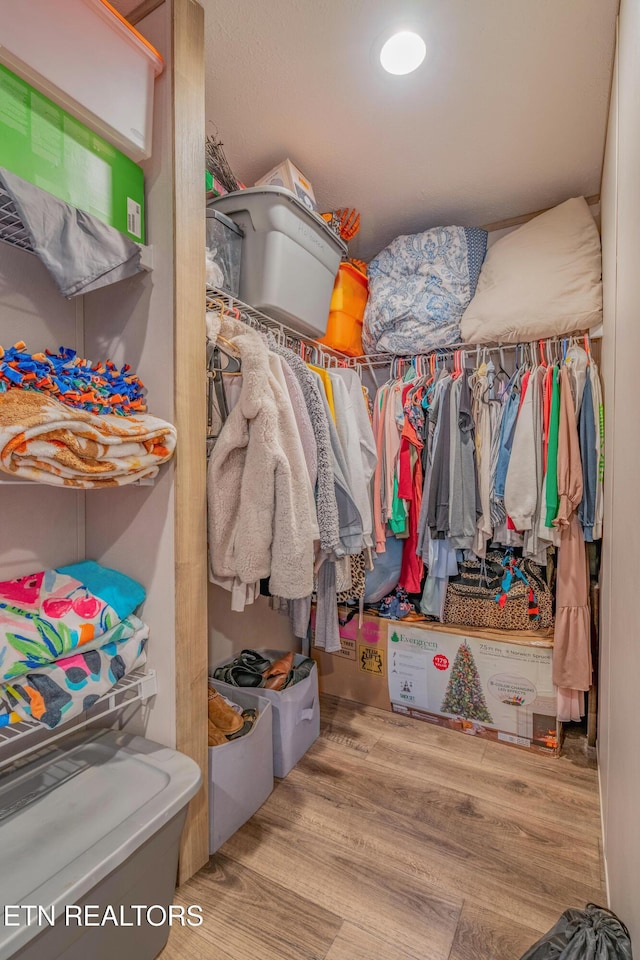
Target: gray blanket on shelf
{"points": [[80, 252]]}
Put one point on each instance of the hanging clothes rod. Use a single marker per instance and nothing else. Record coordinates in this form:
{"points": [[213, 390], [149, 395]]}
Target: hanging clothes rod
{"points": [[286, 336], [472, 350]]}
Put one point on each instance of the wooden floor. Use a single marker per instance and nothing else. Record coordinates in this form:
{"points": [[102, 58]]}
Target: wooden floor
{"points": [[395, 840]]}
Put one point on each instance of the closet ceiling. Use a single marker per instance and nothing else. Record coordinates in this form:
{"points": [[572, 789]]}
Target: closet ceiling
{"points": [[506, 115]]}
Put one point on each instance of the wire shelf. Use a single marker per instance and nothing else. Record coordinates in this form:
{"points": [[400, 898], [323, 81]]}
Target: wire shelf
{"points": [[20, 740], [14, 232], [325, 356], [12, 229]]}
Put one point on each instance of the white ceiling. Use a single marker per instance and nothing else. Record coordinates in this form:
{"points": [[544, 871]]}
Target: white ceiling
{"points": [[506, 115]]}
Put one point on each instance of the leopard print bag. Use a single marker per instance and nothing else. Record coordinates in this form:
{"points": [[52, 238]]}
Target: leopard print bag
{"points": [[477, 596]]}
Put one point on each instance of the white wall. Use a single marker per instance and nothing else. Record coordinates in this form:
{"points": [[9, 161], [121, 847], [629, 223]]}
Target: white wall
{"points": [[259, 627], [39, 526], [620, 642], [132, 528]]}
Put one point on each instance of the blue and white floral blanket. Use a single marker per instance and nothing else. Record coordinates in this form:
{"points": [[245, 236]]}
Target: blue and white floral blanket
{"points": [[419, 287]]}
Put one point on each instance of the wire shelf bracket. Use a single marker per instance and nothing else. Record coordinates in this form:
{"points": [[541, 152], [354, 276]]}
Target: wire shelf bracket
{"points": [[21, 740]]}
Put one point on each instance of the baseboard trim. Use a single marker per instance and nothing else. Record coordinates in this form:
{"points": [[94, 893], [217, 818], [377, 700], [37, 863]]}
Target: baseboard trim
{"points": [[602, 831]]}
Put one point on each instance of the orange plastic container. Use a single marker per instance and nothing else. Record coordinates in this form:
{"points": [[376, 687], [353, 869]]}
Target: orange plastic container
{"points": [[350, 294]]}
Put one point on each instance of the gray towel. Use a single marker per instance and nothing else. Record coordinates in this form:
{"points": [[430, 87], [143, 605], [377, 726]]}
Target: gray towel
{"points": [[80, 252]]}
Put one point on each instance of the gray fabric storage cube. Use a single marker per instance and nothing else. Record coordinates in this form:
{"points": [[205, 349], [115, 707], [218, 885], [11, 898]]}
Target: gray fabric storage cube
{"points": [[296, 714], [240, 771]]}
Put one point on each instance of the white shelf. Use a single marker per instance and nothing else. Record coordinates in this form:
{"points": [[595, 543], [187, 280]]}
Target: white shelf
{"points": [[20, 740], [40, 483]]}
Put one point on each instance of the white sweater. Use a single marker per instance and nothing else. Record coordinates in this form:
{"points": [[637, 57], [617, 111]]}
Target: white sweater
{"points": [[262, 519]]}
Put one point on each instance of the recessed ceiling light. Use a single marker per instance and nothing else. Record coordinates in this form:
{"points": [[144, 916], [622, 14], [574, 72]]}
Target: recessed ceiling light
{"points": [[403, 53]]}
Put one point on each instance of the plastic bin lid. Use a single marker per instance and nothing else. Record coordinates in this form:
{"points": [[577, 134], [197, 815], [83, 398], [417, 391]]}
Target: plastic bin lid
{"points": [[234, 203], [132, 35], [223, 218], [70, 818]]}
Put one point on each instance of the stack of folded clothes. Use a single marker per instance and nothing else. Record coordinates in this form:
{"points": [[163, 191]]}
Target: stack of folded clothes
{"points": [[252, 669], [67, 636]]}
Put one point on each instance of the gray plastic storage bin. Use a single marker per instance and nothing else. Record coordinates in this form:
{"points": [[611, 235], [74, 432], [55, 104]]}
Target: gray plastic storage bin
{"points": [[95, 822], [296, 715], [241, 771], [224, 243], [290, 257]]}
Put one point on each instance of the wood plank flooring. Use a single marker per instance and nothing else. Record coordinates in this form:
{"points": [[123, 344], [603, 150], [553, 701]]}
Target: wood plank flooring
{"points": [[395, 840]]}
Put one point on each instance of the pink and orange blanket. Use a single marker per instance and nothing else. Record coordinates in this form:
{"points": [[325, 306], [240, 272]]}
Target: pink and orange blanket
{"points": [[44, 440]]}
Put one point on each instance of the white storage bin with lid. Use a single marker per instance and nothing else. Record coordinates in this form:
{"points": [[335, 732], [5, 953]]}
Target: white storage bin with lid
{"points": [[89, 60], [94, 824], [240, 771], [290, 257]]}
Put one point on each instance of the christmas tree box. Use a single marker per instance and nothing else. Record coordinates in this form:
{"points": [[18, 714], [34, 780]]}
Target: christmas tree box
{"points": [[488, 684], [358, 670], [496, 689]]}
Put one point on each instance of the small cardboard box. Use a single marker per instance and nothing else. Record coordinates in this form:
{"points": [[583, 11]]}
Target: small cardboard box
{"points": [[488, 684], [296, 715], [240, 771], [43, 144], [286, 174]]}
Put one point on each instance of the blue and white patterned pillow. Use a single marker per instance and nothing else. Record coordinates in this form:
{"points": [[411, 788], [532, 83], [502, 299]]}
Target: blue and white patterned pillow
{"points": [[419, 287]]}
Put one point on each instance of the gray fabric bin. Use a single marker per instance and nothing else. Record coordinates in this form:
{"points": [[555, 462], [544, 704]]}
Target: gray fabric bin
{"points": [[290, 257], [241, 771], [95, 822], [296, 714]]}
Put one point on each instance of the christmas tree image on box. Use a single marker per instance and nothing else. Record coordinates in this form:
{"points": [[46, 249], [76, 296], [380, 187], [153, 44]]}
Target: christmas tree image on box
{"points": [[464, 696]]}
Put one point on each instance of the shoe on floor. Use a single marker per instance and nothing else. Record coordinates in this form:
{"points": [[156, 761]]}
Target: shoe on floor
{"points": [[222, 715]]}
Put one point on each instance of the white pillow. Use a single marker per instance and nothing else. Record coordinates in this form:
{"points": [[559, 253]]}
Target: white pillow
{"points": [[542, 280]]}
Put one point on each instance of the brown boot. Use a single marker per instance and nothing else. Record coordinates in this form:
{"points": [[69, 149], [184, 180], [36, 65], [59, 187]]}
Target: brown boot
{"points": [[216, 737], [222, 715], [276, 675]]}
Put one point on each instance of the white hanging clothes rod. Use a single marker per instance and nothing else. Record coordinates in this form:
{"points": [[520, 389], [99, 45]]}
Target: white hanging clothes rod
{"points": [[472, 350]]}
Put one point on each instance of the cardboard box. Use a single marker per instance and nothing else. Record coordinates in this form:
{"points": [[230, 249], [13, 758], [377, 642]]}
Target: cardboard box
{"points": [[494, 685], [296, 715], [240, 771], [43, 144], [286, 174]]}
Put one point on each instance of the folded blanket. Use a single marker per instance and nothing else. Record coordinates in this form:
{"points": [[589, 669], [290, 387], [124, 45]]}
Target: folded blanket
{"points": [[42, 439], [65, 689], [52, 614], [95, 387]]}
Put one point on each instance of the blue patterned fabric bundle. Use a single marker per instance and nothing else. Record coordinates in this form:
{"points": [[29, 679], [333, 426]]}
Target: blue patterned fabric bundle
{"points": [[419, 287]]}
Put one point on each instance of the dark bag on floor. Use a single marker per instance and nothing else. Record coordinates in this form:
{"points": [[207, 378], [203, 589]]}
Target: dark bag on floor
{"points": [[590, 934]]}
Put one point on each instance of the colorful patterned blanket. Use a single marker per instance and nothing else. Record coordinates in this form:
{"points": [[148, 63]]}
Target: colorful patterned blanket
{"points": [[96, 387], [44, 440], [65, 689], [56, 613]]}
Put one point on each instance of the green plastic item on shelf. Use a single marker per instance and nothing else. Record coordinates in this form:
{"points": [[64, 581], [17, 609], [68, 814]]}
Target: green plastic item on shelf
{"points": [[43, 144]]}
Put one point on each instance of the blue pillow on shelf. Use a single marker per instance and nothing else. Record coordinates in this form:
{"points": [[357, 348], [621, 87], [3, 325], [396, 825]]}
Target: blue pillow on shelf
{"points": [[419, 288]]}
